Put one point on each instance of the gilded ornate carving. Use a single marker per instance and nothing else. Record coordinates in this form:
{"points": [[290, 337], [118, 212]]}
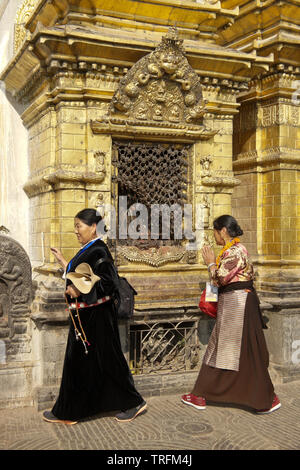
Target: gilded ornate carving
{"points": [[269, 158], [245, 160], [153, 130], [206, 211], [100, 163], [220, 178], [45, 183], [155, 257], [23, 15], [216, 178], [98, 200], [206, 165], [161, 86], [279, 113]]}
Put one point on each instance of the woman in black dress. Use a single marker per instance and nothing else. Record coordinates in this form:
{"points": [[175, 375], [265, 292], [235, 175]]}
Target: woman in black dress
{"points": [[96, 377]]}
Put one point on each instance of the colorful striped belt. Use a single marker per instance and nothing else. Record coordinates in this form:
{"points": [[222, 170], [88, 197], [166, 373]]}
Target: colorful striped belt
{"points": [[72, 306]]}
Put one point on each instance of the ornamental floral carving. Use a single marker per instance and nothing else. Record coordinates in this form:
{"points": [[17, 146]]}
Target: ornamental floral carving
{"points": [[161, 87], [155, 257], [23, 15], [279, 113]]}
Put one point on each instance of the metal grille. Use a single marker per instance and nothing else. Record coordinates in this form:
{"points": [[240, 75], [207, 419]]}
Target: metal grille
{"points": [[153, 173], [164, 347]]}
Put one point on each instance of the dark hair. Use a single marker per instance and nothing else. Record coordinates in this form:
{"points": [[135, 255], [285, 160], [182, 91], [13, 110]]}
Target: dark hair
{"points": [[89, 216], [230, 223]]}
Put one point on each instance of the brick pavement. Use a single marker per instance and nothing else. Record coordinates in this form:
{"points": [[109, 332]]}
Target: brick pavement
{"points": [[168, 424]]}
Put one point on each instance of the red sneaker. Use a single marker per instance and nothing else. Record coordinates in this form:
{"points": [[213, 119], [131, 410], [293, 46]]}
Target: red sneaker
{"points": [[275, 405], [196, 402]]}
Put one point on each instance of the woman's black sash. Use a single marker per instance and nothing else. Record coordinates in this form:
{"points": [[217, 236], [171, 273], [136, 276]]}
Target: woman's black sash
{"points": [[237, 286], [248, 285]]}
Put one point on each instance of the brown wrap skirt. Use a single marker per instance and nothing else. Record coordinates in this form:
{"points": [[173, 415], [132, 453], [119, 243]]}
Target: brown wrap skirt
{"points": [[235, 365]]}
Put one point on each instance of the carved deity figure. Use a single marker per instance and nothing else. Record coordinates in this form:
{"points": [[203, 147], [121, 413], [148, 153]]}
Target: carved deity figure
{"points": [[15, 293]]}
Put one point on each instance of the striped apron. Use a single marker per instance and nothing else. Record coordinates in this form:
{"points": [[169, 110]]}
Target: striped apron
{"points": [[224, 346]]}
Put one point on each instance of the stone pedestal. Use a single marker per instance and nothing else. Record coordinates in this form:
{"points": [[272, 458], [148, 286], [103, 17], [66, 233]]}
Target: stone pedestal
{"points": [[283, 334], [50, 322]]}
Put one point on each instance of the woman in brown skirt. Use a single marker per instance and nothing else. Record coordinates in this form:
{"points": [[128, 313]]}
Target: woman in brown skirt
{"points": [[235, 364]]}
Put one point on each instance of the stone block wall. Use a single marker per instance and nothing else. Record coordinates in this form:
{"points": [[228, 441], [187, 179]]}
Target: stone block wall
{"points": [[244, 209]]}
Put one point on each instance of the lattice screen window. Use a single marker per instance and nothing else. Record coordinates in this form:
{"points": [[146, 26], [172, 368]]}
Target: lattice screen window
{"points": [[152, 173]]}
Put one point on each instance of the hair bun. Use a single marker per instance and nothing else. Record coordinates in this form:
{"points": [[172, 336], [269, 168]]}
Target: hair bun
{"points": [[239, 231], [229, 223], [89, 216], [97, 217]]}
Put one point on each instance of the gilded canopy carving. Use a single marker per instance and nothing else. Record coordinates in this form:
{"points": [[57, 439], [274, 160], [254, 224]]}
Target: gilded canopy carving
{"points": [[23, 15], [160, 96], [161, 87]]}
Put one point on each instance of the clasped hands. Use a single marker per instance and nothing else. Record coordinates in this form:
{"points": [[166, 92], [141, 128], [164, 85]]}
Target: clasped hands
{"points": [[208, 255]]}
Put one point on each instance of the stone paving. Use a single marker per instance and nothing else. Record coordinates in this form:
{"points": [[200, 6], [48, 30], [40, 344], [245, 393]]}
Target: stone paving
{"points": [[168, 424]]}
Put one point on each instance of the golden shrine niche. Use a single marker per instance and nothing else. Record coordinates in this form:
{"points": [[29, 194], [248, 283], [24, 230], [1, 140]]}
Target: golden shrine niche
{"points": [[159, 98]]}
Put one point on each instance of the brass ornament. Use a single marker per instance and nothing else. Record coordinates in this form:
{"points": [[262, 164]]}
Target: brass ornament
{"points": [[23, 14], [160, 87]]}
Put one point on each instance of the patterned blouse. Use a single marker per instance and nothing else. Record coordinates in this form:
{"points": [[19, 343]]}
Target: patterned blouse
{"points": [[234, 266]]}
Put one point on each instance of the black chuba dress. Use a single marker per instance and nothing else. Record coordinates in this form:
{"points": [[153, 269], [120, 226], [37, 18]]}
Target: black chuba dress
{"points": [[100, 380]]}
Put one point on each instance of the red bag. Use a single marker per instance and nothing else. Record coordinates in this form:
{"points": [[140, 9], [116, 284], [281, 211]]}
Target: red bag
{"points": [[210, 308]]}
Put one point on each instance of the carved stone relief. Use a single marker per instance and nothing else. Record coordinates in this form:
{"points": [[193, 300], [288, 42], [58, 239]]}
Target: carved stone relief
{"points": [[4, 230], [15, 296]]}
